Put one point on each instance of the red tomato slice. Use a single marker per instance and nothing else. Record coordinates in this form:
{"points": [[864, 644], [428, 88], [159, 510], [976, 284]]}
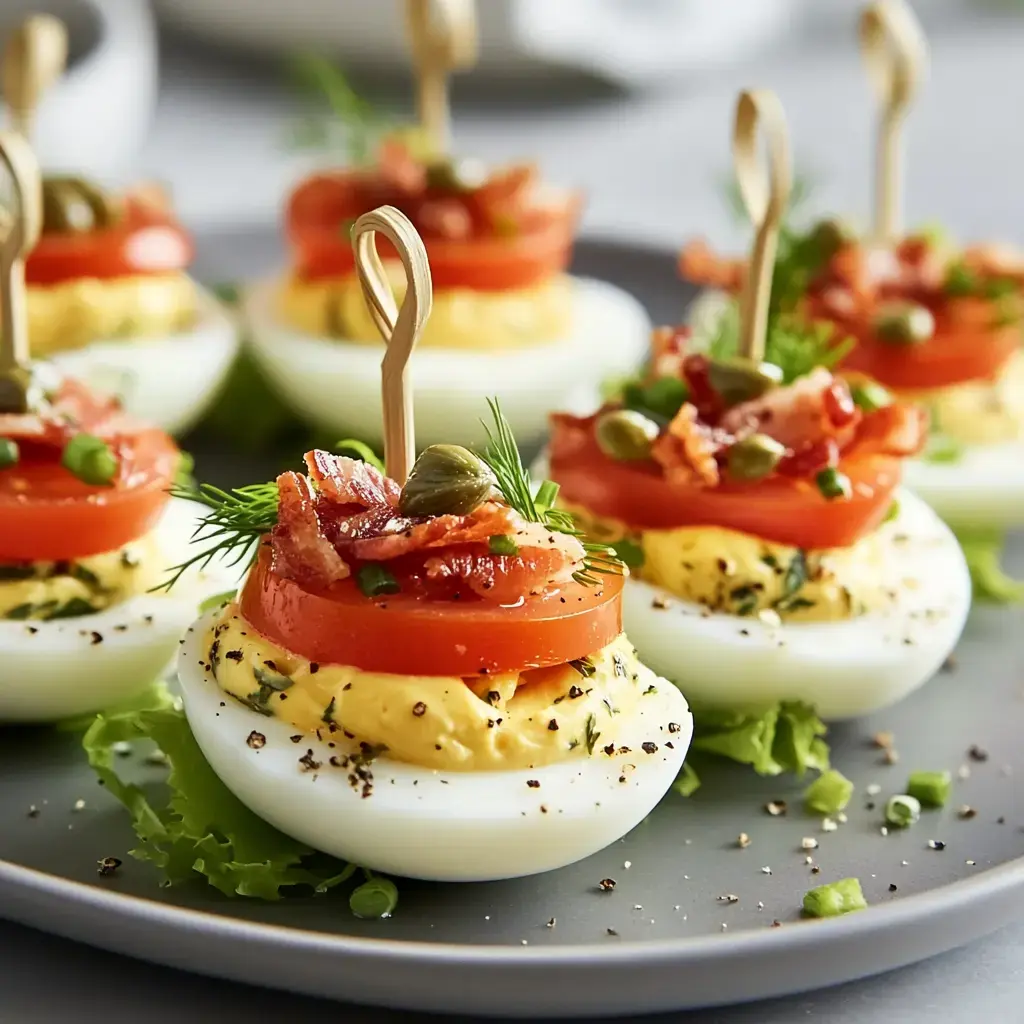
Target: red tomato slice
{"points": [[780, 509], [405, 634], [147, 241], [321, 209], [954, 355], [49, 515]]}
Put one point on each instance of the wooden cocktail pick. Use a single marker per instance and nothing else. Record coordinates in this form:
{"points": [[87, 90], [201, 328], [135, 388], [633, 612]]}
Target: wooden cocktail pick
{"points": [[765, 191], [33, 60], [400, 328], [896, 54], [19, 232], [442, 39]]}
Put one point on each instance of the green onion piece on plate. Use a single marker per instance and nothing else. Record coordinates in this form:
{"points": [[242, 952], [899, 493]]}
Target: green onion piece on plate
{"points": [[835, 899], [902, 811], [930, 788], [829, 793]]}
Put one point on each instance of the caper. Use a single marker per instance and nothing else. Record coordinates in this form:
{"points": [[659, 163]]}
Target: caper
{"points": [[754, 457], [738, 380], [76, 206], [456, 175], [625, 435], [904, 323], [831, 235], [447, 479], [9, 453]]}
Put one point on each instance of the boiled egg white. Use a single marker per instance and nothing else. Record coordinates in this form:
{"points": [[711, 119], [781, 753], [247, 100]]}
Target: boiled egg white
{"points": [[168, 380], [67, 667], [439, 825], [335, 385], [844, 668]]}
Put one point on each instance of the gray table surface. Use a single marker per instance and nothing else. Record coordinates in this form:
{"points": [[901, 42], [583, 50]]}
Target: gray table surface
{"points": [[656, 182]]}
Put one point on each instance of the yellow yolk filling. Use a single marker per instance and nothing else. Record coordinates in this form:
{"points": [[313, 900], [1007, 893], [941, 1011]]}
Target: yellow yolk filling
{"points": [[504, 721], [728, 571], [979, 411], [51, 590], [460, 318], [75, 313]]}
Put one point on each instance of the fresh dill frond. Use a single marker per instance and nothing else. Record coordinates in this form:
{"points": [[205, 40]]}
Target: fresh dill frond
{"points": [[231, 530], [501, 455]]}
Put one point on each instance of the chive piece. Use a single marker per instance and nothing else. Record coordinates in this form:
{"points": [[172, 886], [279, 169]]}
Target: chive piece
{"points": [[73, 608], [870, 396], [834, 899], [375, 898], [547, 494], [502, 544], [902, 810], [91, 459], [892, 512], [829, 793], [374, 580], [833, 484], [217, 601], [931, 788], [9, 453]]}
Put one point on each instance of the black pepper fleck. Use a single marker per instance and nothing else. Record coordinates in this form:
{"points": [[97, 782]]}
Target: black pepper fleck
{"points": [[256, 740], [606, 884], [533, 783], [649, 747], [419, 709], [553, 726], [107, 866]]}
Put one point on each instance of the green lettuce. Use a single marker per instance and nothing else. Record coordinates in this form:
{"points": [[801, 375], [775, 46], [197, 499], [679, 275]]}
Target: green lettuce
{"points": [[199, 828], [786, 737], [983, 550]]}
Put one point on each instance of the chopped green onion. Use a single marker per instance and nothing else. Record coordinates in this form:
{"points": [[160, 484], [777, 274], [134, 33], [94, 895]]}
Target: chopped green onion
{"points": [[931, 788], [833, 484], [629, 553], [902, 810], [942, 448], [91, 459], [892, 512], [375, 898], [834, 899], [870, 396], [9, 453], [374, 579], [502, 544], [829, 793], [547, 494], [661, 399], [217, 601]]}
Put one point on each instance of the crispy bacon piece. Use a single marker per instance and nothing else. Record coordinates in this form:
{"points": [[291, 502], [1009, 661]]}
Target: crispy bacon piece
{"points": [[73, 409], [896, 429], [687, 448], [699, 264], [351, 482], [300, 549], [501, 579]]}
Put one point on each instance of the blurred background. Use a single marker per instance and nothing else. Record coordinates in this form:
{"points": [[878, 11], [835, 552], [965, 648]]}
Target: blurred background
{"points": [[631, 99]]}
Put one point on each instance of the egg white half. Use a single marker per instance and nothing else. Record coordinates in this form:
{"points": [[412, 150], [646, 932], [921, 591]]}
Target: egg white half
{"points": [[437, 825], [845, 668], [336, 384], [167, 380], [67, 667]]}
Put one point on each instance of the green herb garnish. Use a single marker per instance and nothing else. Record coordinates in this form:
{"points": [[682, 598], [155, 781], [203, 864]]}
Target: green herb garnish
{"points": [[90, 459], [629, 553], [833, 484], [592, 735], [983, 550], [501, 544], [9, 453], [377, 897], [902, 811], [829, 793], [217, 601], [659, 399], [931, 789], [376, 580], [834, 899]]}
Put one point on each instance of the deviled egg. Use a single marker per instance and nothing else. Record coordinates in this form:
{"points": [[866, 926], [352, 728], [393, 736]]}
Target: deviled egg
{"points": [[109, 302], [87, 530], [430, 680]]}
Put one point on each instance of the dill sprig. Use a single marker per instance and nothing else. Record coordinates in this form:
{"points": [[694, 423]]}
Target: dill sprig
{"points": [[513, 480], [231, 530]]}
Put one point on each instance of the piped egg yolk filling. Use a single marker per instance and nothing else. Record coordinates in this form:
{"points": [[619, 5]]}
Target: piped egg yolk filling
{"points": [[60, 590], [503, 721], [461, 318], [75, 313], [739, 574], [979, 411]]}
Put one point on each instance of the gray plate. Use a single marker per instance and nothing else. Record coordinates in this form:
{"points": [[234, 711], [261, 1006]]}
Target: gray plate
{"points": [[677, 944]]}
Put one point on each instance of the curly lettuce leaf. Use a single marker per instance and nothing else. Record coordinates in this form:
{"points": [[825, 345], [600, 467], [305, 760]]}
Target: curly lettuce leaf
{"points": [[786, 737], [201, 828], [153, 697], [983, 550]]}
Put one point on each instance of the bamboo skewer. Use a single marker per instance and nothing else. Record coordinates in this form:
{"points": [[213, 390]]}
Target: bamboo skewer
{"points": [[33, 60], [765, 191], [442, 39], [400, 328], [896, 54]]}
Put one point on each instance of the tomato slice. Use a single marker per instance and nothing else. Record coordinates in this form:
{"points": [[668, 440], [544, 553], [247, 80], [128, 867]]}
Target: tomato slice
{"points": [[780, 509], [47, 514], [147, 241], [321, 209], [407, 635], [954, 355]]}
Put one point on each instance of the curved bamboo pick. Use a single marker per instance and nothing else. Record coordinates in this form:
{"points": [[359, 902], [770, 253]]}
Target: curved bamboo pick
{"points": [[400, 328]]}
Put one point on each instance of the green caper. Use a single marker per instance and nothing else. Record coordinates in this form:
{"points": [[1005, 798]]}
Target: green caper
{"points": [[831, 235], [456, 175], [76, 206], [625, 435], [754, 457], [904, 323], [738, 380], [447, 479]]}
